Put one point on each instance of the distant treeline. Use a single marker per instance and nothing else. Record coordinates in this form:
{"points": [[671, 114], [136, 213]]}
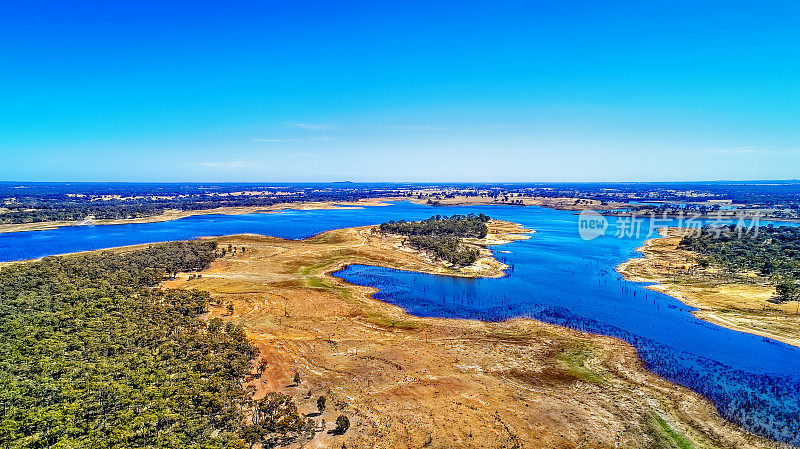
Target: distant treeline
{"points": [[442, 236], [54, 202], [92, 354], [36, 202], [772, 252], [72, 212]]}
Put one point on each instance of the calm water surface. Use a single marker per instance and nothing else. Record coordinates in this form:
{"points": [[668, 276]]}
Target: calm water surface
{"points": [[555, 276]]}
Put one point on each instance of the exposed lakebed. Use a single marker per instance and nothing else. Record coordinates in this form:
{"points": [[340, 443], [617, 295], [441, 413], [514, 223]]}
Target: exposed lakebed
{"points": [[555, 277]]}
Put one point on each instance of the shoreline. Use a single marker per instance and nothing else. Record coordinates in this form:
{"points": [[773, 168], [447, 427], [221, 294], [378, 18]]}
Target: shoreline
{"points": [[515, 380], [738, 306], [172, 214], [565, 204], [726, 216], [500, 233], [463, 381], [557, 203], [487, 266], [636, 269]]}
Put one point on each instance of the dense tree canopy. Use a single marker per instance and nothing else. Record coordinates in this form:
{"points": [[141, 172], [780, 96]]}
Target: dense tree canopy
{"points": [[771, 252], [471, 226], [442, 236], [92, 355]]}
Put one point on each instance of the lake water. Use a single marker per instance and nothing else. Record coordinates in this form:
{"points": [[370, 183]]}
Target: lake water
{"points": [[555, 277]]}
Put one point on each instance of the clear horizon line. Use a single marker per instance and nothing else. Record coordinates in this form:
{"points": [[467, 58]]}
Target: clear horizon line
{"points": [[404, 182]]}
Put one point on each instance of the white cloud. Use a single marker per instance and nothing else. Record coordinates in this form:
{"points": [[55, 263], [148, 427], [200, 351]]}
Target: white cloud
{"points": [[311, 126], [414, 127]]}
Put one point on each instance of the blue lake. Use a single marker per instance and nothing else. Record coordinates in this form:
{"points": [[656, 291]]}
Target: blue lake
{"points": [[555, 277]]}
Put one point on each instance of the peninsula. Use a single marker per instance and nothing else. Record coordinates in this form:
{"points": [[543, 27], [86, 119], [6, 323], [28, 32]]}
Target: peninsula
{"points": [[406, 381], [742, 302]]}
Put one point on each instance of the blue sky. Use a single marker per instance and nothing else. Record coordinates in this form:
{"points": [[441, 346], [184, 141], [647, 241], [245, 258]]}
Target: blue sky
{"points": [[399, 91]]}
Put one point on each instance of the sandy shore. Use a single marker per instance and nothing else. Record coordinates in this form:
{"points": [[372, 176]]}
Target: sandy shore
{"points": [[170, 215], [729, 302], [408, 382]]}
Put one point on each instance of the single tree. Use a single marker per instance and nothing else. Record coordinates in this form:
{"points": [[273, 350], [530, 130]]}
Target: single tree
{"points": [[787, 290], [342, 424], [296, 378], [278, 413], [251, 435], [321, 404], [215, 325]]}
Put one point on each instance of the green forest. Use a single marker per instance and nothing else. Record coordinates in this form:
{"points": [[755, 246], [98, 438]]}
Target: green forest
{"points": [[442, 236], [771, 252], [94, 355]]}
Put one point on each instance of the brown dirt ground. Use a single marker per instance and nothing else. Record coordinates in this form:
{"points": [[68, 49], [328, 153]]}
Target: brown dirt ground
{"points": [[737, 303], [409, 382]]}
